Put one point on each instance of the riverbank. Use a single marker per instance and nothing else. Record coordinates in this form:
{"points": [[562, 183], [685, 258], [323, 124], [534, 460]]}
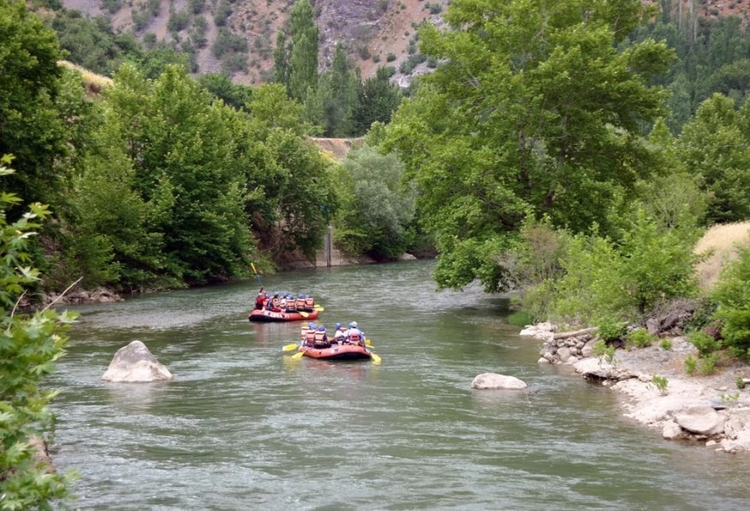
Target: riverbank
{"points": [[655, 391]]}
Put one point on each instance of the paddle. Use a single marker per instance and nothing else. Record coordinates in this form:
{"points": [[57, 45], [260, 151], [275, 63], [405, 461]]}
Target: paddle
{"points": [[303, 314], [318, 308], [256, 275], [297, 355], [290, 347], [375, 359]]}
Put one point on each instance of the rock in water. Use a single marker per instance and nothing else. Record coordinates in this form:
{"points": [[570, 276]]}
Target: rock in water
{"points": [[135, 364], [497, 381]]}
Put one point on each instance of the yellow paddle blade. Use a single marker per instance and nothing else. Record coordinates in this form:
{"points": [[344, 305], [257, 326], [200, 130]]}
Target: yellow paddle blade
{"points": [[298, 355], [304, 314], [318, 308], [253, 267], [290, 347], [375, 359], [368, 343]]}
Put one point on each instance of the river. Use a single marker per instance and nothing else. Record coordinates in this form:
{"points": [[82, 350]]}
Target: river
{"points": [[243, 426]]}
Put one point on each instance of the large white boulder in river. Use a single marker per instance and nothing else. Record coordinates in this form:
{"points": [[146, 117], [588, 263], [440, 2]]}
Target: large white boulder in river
{"points": [[497, 381], [135, 364]]}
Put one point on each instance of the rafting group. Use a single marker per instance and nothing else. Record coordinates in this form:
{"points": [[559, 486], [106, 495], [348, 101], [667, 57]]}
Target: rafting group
{"points": [[284, 302], [346, 343]]}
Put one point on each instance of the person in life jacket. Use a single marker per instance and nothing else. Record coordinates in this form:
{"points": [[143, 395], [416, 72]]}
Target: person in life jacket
{"points": [[354, 335], [340, 335], [260, 300], [291, 304], [320, 339], [269, 305], [276, 302], [309, 303], [299, 303], [308, 335]]}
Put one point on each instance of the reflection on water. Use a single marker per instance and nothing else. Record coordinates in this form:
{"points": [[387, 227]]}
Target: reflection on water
{"points": [[243, 426]]}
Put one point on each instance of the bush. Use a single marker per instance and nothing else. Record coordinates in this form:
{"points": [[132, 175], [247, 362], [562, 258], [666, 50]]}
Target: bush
{"points": [[703, 342], [640, 338], [178, 20], [390, 57], [29, 348], [732, 294]]}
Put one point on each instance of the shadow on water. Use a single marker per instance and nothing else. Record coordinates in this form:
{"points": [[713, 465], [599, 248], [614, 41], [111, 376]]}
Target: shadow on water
{"points": [[243, 426]]}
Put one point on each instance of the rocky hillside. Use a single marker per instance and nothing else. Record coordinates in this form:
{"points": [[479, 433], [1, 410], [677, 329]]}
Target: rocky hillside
{"points": [[239, 36]]}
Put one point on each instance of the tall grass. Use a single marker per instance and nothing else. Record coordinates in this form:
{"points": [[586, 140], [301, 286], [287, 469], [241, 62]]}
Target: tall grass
{"points": [[721, 242]]}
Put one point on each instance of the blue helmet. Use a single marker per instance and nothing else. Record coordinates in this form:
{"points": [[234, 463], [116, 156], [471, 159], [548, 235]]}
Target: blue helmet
{"points": [[275, 293], [338, 325], [321, 328], [300, 296], [311, 325], [308, 296]]}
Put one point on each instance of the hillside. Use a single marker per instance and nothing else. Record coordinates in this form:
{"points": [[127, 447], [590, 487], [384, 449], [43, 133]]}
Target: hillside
{"points": [[369, 29]]}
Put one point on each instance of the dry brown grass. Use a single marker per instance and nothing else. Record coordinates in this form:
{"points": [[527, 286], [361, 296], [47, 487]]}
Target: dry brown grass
{"points": [[92, 81], [721, 241]]}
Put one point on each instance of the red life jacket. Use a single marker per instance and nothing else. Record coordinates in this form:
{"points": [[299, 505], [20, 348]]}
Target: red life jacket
{"points": [[320, 338]]}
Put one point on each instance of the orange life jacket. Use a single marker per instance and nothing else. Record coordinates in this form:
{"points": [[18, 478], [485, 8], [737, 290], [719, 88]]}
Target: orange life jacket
{"points": [[309, 303], [320, 338]]}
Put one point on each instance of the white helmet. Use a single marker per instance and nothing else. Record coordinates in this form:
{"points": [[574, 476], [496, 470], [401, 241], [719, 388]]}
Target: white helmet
{"points": [[353, 324]]}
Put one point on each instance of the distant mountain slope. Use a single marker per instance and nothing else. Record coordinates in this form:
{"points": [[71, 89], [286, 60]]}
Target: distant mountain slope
{"points": [[240, 36]]}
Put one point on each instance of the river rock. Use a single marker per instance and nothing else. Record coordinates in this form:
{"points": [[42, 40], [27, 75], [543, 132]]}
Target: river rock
{"points": [[134, 363], [672, 430], [701, 420], [497, 381]]}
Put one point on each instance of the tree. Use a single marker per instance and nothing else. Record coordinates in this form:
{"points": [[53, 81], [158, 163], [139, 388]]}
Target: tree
{"points": [[30, 126], [170, 150], [714, 148], [303, 56], [29, 348], [542, 115], [376, 211], [378, 99]]}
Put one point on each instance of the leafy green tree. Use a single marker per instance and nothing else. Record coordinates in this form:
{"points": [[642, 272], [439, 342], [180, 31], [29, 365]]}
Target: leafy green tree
{"points": [[234, 95], [290, 194], [303, 56], [281, 59], [174, 148], [541, 116], [714, 148], [376, 210], [29, 348], [378, 99], [30, 125]]}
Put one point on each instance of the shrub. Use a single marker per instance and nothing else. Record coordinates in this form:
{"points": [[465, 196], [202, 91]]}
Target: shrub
{"points": [[660, 382], [703, 342], [29, 348], [178, 20], [640, 338], [665, 344], [732, 294], [691, 365], [390, 57]]}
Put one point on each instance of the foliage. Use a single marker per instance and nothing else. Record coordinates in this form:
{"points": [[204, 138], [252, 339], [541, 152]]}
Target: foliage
{"points": [[539, 116], [691, 365], [180, 214], [732, 294], [234, 95], [303, 53], [375, 210], [703, 342], [29, 348], [30, 125], [665, 344], [640, 338], [715, 147], [661, 383], [628, 280], [377, 100]]}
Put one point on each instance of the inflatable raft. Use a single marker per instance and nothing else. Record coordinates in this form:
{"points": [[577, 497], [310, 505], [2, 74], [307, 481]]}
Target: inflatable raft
{"points": [[263, 315], [338, 352]]}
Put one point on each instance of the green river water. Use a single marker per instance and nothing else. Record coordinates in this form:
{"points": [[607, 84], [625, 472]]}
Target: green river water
{"points": [[244, 427]]}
